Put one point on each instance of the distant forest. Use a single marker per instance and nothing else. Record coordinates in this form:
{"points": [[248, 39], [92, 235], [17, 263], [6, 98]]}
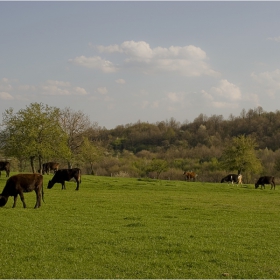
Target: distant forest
{"points": [[198, 145], [161, 150]]}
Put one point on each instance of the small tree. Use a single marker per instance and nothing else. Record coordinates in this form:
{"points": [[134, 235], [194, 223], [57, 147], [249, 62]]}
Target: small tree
{"points": [[158, 166], [240, 155], [90, 152]]}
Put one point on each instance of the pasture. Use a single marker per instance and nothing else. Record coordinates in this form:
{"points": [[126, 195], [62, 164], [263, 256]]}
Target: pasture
{"points": [[137, 228]]}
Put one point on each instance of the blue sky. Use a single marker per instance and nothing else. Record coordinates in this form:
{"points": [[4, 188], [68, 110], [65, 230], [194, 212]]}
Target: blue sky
{"points": [[121, 62]]}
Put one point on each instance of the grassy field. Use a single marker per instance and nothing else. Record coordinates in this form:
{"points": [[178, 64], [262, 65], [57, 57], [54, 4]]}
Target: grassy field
{"points": [[136, 228]]}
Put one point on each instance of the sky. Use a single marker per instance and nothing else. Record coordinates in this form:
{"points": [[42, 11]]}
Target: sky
{"points": [[124, 62]]}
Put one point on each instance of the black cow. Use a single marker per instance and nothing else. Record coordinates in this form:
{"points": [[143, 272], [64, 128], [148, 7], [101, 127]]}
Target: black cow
{"points": [[265, 180], [63, 175], [5, 166], [48, 166], [18, 184], [233, 178]]}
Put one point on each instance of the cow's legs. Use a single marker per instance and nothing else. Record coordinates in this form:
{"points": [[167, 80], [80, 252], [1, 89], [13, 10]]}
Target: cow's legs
{"points": [[38, 199], [22, 199], [15, 201], [78, 185], [63, 185]]}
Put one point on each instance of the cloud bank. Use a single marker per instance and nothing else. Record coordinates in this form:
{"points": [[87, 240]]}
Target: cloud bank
{"points": [[189, 61]]}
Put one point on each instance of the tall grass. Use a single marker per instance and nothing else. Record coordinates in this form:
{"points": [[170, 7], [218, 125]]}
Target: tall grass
{"points": [[133, 228]]}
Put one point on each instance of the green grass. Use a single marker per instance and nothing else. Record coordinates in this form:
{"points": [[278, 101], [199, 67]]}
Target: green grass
{"points": [[132, 228]]}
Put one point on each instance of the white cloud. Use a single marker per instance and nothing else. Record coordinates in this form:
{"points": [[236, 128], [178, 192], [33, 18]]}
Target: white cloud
{"points": [[6, 96], [175, 97], [80, 91], [270, 81], [227, 90], [109, 49], [95, 62], [224, 95], [5, 85], [188, 61], [276, 39], [26, 88], [61, 88], [54, 90], [136, 50], [120, 81], [102, 90], [207, 95]]}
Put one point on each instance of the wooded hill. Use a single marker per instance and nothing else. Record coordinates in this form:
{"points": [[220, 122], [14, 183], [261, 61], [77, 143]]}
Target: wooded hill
{"points": [[198, 145], [161, 150]]}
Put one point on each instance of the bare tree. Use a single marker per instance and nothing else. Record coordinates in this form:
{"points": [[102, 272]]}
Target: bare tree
{"points": [[77, 126]]}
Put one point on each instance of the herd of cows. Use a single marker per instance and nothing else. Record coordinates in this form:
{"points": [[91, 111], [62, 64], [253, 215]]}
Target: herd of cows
{"points": [[21, 183], [236, 178]]}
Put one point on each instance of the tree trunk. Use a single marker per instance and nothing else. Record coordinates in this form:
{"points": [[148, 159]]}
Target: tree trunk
{"points": [[91, 166], [32, 163], [40, 164]]}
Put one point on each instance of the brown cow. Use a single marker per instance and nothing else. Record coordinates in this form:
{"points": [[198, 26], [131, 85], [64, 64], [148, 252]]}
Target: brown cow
{"points": [[63, 175], [5, 166], [190, 175], [18, 184], [48, 166]]}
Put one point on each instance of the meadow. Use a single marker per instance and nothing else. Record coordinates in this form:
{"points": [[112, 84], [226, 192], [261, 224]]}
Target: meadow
{"points": [[142, 228]]}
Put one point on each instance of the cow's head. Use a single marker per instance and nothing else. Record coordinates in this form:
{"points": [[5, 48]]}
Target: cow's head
{"points": [[3, 200], [256, 186], [50, 184]]}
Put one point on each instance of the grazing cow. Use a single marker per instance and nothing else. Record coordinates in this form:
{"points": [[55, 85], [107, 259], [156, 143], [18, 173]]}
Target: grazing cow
{"points": [[18, 184], [190, 175], [48, 166], [5, 166], [63, 175], [265, 180], [233, 178]]}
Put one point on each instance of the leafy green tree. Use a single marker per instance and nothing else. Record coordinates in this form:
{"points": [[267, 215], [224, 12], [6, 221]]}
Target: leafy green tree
{"points": [[32, 133], [277, 164], [240, 155], [91, 153], [158, 166], [141, 166]]}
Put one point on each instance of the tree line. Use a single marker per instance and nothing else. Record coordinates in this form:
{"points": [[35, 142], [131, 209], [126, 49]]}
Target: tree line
{"points": [[210, 146]]}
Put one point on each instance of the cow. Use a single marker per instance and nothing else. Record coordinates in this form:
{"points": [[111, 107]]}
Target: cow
{"points": [[265, 180], [18, 184], [48, 166], [63, 175], [190, 175], [233, 178], [5, 166]]}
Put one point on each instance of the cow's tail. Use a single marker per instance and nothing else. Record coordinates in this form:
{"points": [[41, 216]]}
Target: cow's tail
{"points": [[80, 176]]}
